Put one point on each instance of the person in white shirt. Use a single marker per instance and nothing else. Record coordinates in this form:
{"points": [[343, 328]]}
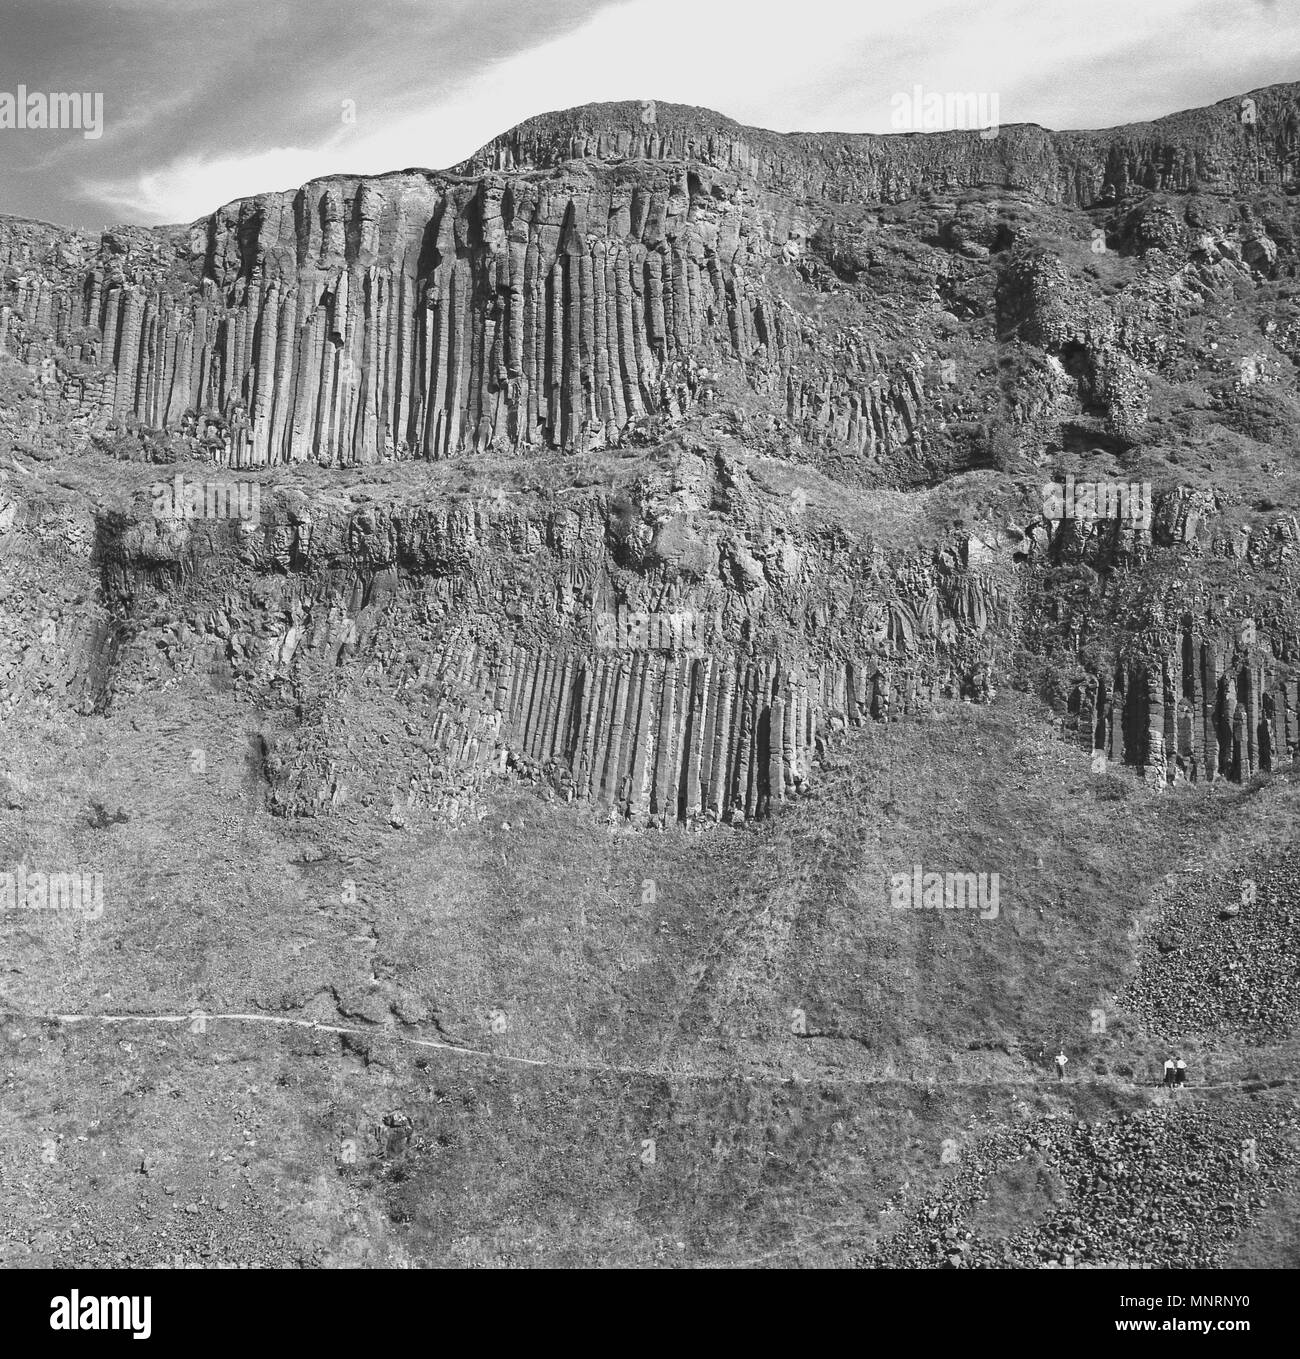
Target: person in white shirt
{"points": [[1169, 1071], [1061, 1060], [1180, 1072]]}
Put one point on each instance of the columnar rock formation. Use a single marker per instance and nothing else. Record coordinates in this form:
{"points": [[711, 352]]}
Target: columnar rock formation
{"points": [[1212, 697], [668, 737], [1189, 716], [360, 321], [419, 315]]}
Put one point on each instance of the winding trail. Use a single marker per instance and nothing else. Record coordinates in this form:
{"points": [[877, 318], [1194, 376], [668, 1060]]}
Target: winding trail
{"points": [[391, 1035]]}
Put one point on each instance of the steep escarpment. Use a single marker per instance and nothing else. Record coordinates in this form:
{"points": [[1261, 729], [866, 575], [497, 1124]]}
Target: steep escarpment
{"points": [[409, 316], [586, 271]]}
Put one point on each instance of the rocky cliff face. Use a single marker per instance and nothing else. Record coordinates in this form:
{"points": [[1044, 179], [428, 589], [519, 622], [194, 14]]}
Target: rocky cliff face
{"points": [[827, 377], [568, 279], [675, 649], [413, 316], [1230, 147]]}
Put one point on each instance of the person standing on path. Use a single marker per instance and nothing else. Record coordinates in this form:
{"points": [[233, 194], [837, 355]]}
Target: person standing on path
{"points": [[1169, 1071], [1061, 1060], [1180, 1072]]}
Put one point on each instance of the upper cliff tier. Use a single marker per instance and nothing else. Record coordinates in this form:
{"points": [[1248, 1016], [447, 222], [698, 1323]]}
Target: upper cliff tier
{"points": [[599, 267]]}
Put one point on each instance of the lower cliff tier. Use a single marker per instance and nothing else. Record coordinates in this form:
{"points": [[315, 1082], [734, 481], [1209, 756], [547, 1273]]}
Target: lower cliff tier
{"points": [[682, 645]]}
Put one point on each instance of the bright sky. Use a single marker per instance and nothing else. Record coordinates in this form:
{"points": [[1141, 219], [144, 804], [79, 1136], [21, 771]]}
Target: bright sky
{"points": [[204, 103]]}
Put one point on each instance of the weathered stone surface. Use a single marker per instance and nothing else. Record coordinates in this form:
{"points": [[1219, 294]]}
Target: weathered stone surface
{"points": [[593, 281], [419, 315]]}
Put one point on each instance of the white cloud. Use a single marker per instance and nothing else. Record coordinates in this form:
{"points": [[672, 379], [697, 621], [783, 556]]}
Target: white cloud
{"points": [[190, 187]]}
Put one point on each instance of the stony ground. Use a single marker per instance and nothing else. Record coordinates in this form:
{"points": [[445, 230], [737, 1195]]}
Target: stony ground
{"points": [[1173, 1187], [1225, 956]]}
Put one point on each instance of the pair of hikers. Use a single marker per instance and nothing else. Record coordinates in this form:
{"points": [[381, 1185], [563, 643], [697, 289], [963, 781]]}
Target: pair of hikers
{"points": [[1175, 1071]]}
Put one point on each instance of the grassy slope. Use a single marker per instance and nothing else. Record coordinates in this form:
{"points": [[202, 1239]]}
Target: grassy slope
{"points": [[667, 1019]]}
